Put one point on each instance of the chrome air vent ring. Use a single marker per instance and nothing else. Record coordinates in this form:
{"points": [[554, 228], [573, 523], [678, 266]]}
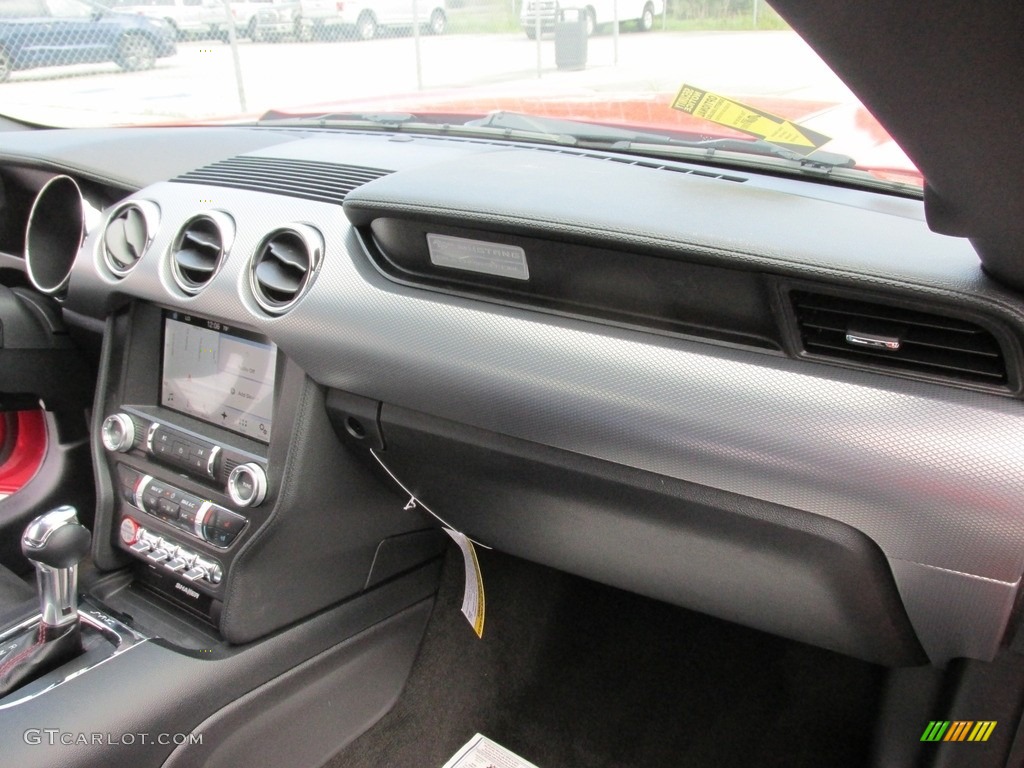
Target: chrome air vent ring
{"points": [[200, 249], [57, 225], [129, 233], [284, 265]]}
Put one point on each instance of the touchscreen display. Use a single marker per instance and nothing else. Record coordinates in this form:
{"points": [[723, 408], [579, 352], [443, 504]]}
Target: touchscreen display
{"points": [[217, 373]]}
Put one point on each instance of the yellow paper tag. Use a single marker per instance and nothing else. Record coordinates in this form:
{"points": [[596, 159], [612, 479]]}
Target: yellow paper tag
{"points": [[750, 120], [473, 596]]}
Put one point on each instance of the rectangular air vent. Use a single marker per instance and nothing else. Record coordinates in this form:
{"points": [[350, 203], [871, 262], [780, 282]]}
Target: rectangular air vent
{"points": [[897, 338], [306, 179]]}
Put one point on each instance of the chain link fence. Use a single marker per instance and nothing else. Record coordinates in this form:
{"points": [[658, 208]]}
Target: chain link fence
{"points": [[218, 58]]}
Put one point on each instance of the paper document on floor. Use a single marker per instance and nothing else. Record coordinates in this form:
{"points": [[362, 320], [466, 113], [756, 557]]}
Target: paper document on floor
{"points": [[481, 752]]}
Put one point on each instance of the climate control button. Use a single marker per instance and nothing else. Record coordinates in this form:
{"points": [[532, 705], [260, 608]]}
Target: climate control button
{"points": [[185, 512]]}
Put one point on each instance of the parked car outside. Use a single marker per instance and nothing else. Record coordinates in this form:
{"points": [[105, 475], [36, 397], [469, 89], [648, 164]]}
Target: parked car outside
{"points": [[244, 13], [302, 19], [202, 19], [368, 17], [47, 33], [596, 13], [363, 19]]}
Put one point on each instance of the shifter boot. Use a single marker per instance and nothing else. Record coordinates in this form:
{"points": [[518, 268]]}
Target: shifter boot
{"points": [[35, 652]]}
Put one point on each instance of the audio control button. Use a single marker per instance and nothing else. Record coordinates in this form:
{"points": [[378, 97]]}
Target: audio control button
{"points": [[118, 432], [244, 486], [247, 485], [179, 449]]}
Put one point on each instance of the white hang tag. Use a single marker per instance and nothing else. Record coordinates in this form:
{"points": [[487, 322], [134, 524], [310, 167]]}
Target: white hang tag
{"points": [[473, 603]]}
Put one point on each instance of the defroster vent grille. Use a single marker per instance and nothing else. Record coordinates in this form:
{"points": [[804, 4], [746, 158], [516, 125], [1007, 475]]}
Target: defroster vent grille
{"points": [[306, 179]]}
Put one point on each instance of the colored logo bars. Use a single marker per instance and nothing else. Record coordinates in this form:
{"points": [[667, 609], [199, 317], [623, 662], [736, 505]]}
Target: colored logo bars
{"points": [[958, 730]]}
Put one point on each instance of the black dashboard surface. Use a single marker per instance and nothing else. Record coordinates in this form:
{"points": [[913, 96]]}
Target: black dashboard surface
{"points": [[928, 470]]}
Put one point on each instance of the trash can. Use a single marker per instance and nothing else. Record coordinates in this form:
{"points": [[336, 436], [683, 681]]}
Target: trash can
{"points": [[571, 38]]}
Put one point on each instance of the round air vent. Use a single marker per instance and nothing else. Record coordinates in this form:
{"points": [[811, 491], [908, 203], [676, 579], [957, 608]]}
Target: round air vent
{"points": [[129, 232], [283, 266], [199, 250], [55, 231]]}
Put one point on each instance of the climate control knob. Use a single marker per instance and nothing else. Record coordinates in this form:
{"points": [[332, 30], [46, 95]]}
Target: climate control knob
{"points": [[247, 485], [118, 432]]}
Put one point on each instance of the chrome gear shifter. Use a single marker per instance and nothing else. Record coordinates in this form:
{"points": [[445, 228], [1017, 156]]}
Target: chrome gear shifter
{"points": [[55, 543]]}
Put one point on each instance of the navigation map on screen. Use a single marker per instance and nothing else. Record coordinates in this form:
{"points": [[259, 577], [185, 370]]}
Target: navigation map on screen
{"points": [[219, 374]]}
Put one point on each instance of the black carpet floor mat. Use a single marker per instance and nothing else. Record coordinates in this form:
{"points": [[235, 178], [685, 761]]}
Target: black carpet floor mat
{"points": [[574, 674]]}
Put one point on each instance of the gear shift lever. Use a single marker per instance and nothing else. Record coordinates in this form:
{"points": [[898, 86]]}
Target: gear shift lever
{"points": [[55, 543]]}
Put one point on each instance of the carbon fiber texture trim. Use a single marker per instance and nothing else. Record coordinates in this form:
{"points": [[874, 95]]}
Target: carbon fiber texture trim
{"points": [[954, 614], [934, 475]]}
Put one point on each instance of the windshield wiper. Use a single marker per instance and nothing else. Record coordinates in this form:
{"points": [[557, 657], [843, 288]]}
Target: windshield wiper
{"points": [[625, 139], [756, 154], [572, 133], [514, 125], [399, 122]]}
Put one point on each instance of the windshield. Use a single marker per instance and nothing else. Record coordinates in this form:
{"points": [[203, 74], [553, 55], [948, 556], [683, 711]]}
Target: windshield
{"points": [[672, 75]]}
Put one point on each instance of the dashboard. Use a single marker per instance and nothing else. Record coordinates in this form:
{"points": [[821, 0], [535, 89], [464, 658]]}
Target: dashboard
{"points": [[787, 404]]}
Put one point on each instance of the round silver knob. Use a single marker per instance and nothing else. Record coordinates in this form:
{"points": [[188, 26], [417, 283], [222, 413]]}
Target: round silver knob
{"points": [[118, 433], [247, 485]]}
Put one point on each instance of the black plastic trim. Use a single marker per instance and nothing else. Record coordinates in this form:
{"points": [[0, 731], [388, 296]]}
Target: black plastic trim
{"points": [[578, 280], [774, 568], [156, 689]]}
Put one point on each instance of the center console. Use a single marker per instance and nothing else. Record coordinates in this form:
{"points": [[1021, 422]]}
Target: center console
{"points": [[245, 559], [189, 455], [228, 492]]}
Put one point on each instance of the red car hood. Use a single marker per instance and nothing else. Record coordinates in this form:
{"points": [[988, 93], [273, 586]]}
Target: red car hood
{"points": [[855, 131]]}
